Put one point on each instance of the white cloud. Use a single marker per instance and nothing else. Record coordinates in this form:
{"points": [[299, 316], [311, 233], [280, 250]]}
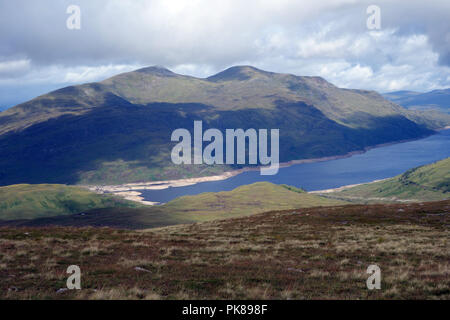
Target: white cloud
{"points": [[90, 74], [14, 68]]}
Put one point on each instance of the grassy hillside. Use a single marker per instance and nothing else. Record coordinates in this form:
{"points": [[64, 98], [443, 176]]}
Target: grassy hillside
{"points": [[26, 201], [314, 253], [242, 201], [425, 183], [118, 130], [245, 200]]}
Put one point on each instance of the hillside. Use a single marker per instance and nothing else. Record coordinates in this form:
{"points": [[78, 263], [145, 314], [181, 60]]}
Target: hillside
{"points": [[425, 183], [36, 201], [314, 253], [246, 200], [118, 130]]}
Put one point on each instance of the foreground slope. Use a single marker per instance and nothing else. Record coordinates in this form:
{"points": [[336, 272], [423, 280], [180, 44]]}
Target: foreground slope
{"points": [[119, 130], [26, 201], [425, 183], [314, 253], [242, 201]]}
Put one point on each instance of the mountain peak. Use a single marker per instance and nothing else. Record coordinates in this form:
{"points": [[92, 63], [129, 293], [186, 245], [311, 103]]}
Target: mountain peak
{"points": [[241, 73], [158, 70]]}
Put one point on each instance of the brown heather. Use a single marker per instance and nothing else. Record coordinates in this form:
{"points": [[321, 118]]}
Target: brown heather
{"points": [[310, 253]]}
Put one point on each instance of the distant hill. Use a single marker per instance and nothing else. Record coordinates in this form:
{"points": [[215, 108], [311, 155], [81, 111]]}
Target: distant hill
{"points": [[118, 130], [436, 99], [242, 201], [26, 201], [426, 183]]}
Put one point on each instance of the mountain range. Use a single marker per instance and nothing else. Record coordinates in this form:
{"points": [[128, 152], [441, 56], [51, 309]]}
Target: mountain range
{"points": [[433, 100], [118, 130]]}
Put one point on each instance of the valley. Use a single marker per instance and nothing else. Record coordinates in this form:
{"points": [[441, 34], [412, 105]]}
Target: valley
{"points": [[102, 194], [118, 130], [226, 154]]}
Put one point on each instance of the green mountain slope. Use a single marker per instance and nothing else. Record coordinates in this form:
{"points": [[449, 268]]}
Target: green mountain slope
{"points": [[242, 201], [245, 200], [425, 183], [118, 130], [35, 201]]}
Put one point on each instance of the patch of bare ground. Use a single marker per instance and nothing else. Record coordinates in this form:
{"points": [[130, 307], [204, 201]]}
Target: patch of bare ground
{"points": [[315, 253]]}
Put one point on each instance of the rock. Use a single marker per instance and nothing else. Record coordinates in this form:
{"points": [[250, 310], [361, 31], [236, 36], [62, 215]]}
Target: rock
{"points": [[141, 269], [61, 290], [295, 270]]}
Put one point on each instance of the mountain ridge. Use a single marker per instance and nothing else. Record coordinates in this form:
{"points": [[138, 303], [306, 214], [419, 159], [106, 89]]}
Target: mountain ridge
{"points": [[438, 99], [283, 87]]}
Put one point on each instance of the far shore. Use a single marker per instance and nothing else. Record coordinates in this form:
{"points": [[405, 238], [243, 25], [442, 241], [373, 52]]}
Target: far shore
{"points": [[122, 189], [345, 187], [130, 191]]}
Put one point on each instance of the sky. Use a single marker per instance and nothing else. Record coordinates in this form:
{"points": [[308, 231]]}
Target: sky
{"points": [[327, 38]]}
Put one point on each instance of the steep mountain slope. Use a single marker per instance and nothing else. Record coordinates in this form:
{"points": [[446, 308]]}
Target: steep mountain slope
{"points": [[45, 200], [246, 200], [425, 183], [118, 130]]}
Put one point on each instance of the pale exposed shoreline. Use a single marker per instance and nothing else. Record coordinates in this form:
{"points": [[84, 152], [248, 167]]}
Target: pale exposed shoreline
{"points": [[129, 191], [345, 187], [134, 196]]}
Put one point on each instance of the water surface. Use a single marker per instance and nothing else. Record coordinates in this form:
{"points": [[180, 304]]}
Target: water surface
{"points": [[377, 163]]}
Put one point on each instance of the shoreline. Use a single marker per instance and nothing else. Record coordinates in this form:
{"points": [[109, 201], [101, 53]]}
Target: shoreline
{"points": [[349, 186], [129, 191]]}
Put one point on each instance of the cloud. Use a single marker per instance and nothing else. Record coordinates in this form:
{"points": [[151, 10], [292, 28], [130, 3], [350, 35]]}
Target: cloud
{"points": [[200, 37], [14, 68]]}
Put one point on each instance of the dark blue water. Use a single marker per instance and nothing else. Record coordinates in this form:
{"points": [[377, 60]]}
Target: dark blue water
{"points": [[378, 163]]}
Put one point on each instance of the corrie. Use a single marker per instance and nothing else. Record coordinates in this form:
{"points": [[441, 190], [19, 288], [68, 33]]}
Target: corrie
{"points": [[235, 147]]}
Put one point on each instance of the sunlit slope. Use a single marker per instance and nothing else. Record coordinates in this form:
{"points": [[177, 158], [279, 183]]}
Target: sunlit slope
{"points": [[240, 87], [245, 200], [26, 201], [425, 183], [242, 201]]}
